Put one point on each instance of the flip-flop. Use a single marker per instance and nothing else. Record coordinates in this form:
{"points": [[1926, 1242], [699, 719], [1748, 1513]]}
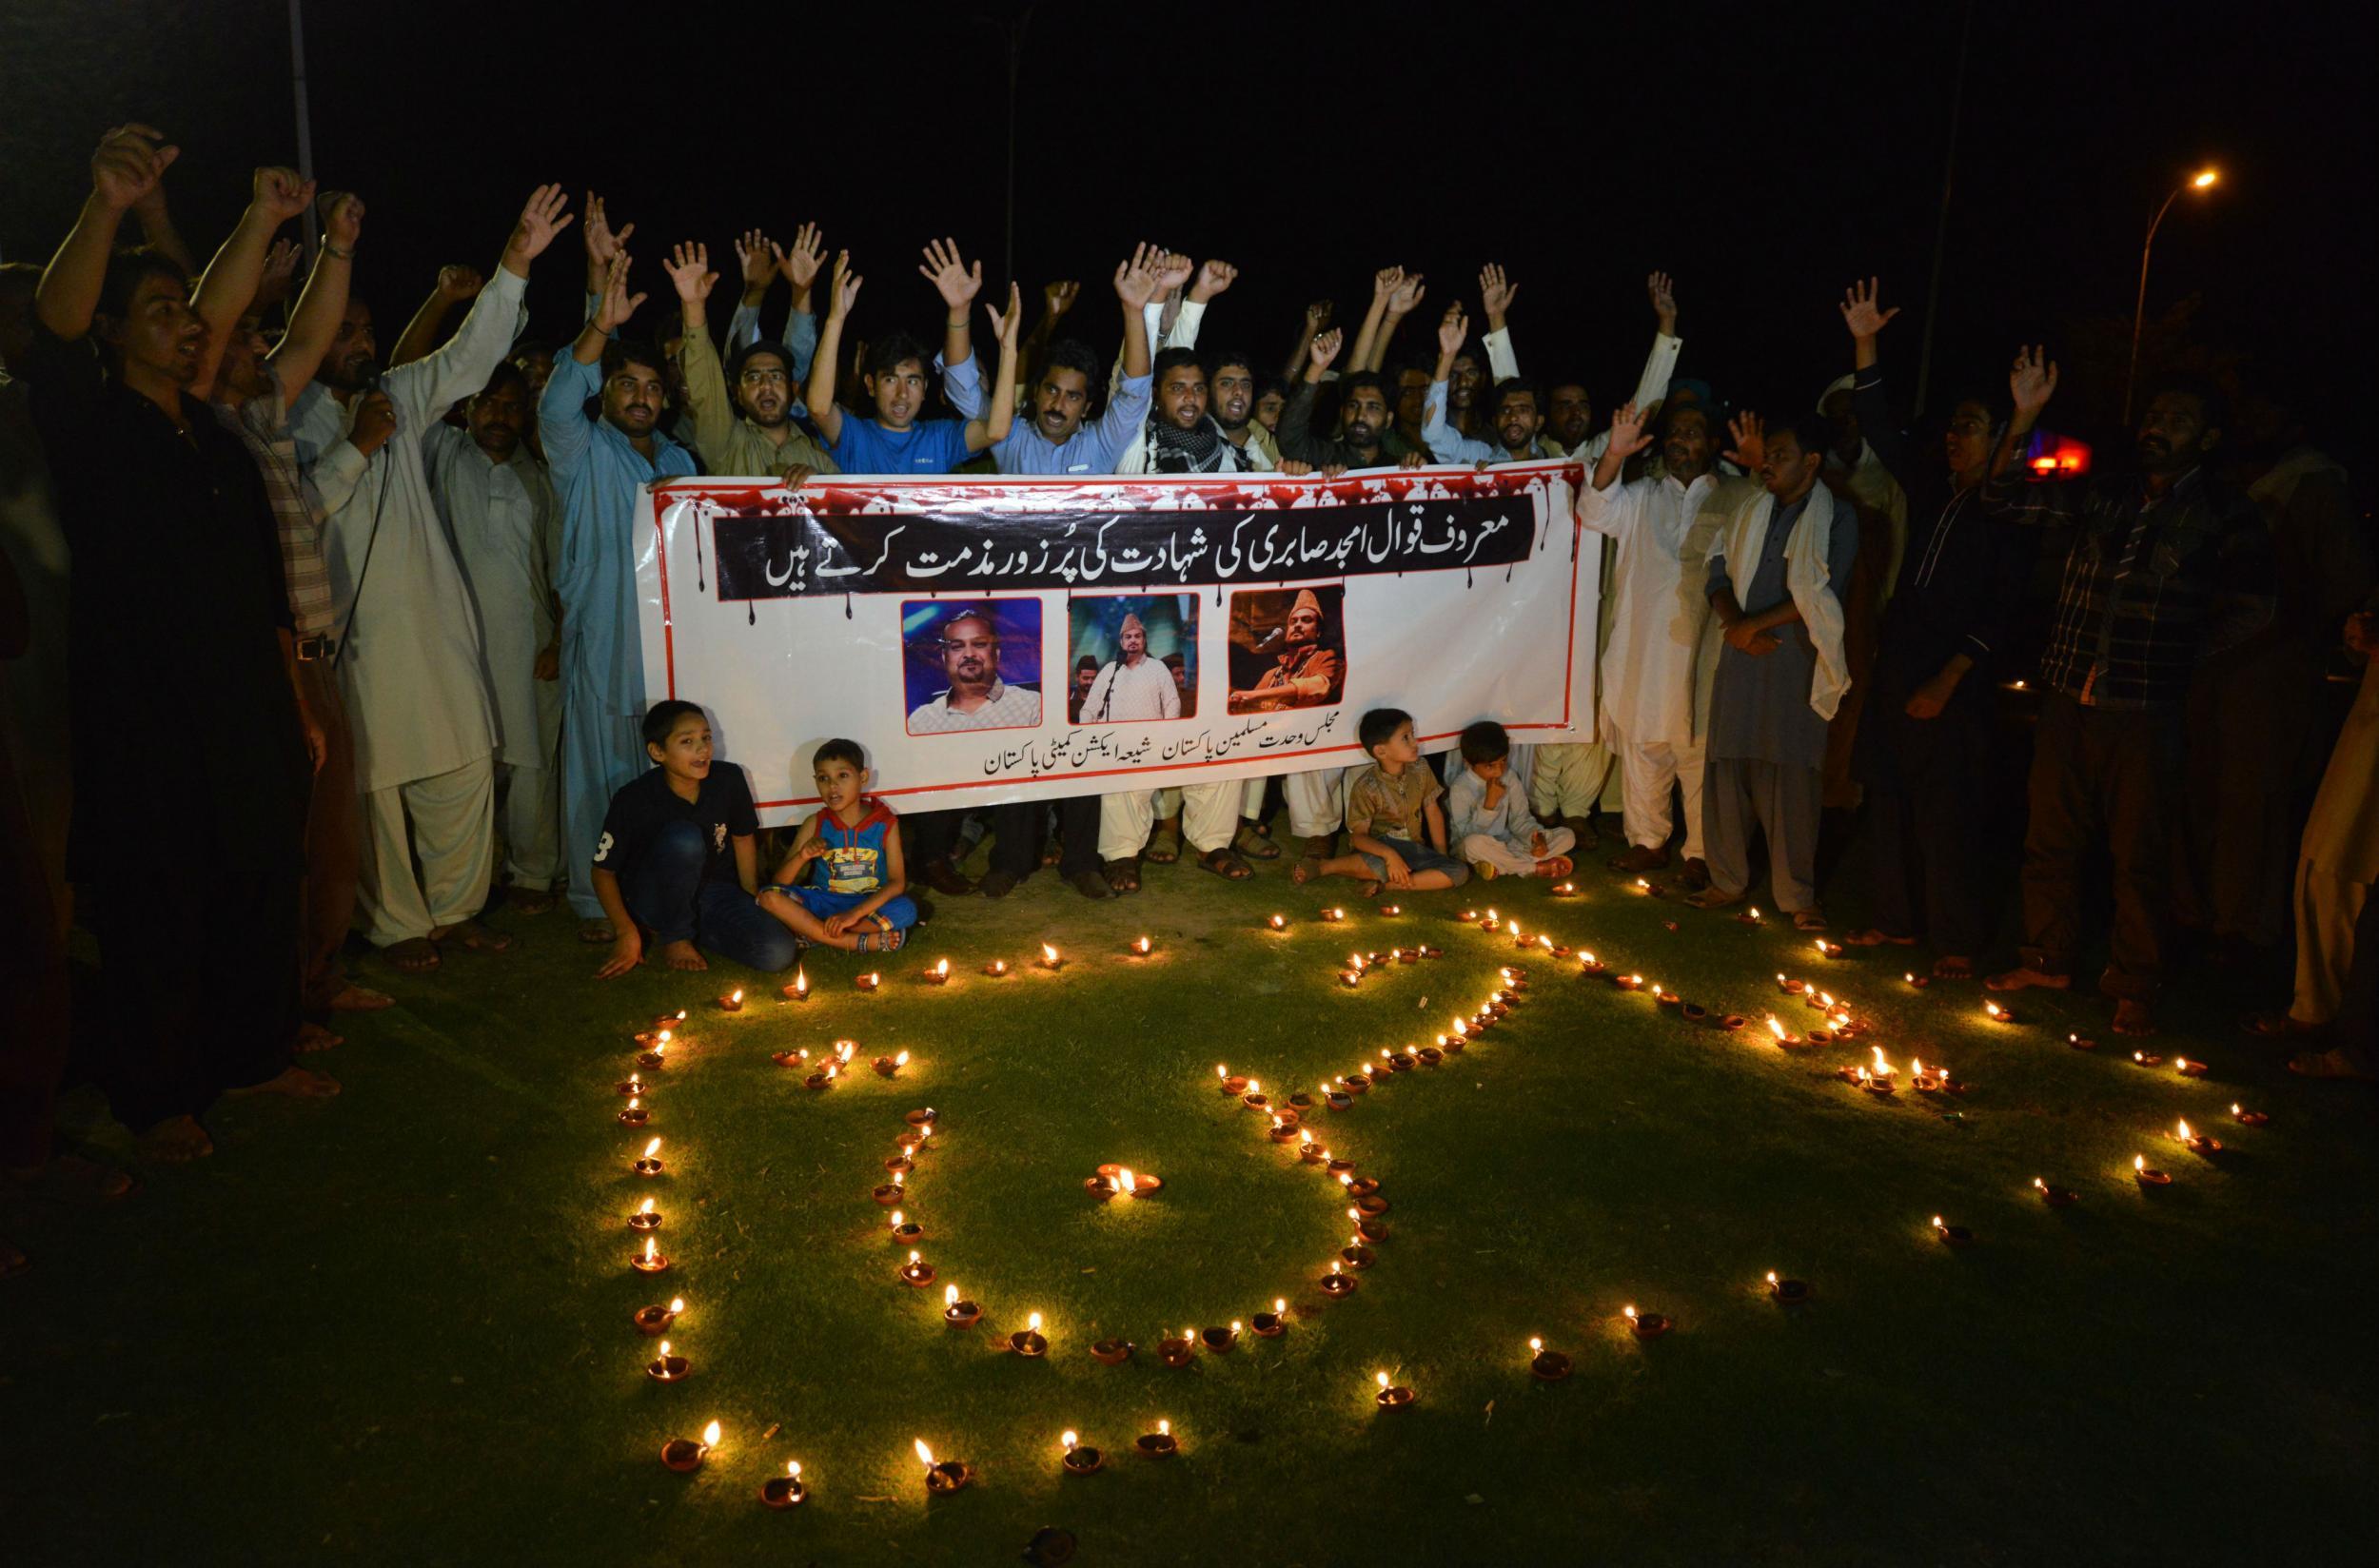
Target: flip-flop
{"points": [[476, 937], [1123, 877], [1163, 849], [1251, 844], [1226, 864]]}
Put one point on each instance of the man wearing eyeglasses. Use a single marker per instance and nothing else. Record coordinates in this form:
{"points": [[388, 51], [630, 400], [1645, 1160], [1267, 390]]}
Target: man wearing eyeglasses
{"points": [[759, 383]]}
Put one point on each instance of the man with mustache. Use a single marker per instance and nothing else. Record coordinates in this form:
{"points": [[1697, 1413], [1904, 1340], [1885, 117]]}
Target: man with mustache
{"points": [[1659, 538], [1366, 430], [1778, 676], [499, 506], [409, 653], [760, 378], [1518, 409], [2170, 576], [896, 440], [182, 646], [1131, 688], [598, 465], [1055, 439]]}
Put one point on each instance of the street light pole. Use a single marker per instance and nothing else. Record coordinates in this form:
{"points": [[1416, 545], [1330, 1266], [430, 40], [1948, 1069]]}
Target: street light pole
{"points": [[304, 119], [2200, 181]]}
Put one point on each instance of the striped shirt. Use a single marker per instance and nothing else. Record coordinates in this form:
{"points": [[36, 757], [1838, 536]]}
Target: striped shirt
{"points": [[263, 424], [2151, 586]]}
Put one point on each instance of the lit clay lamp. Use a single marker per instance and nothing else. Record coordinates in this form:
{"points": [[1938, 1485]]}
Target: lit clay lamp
{"points": [[1546, 1365], [1333, 916], [945, 1478], [1591, 968], [1309, 1152], [1998, 1014], [644, 1218], [2188, 1068], [649, 1164], [958, 1314], [1648, 1325], [1140, 949], [2144, 1176], [1390, 909], [916, 1271], [1027, 1342], [632, 1085], [1914, 981], [1367, 1232], [869, 980], [1565, 889], [1782, 1036], [1787, 1292], [650, 1260], [1628, 982], [893, 1191], [2196, 1141], [683, 1454], [903, 1230], [800, 989], [996, 968], [1337, 1099], [1079, 1461], [1272, 1325], [1750, 917], [1159, 1445], [1391, 1395], [1049, 960], [790, 1058], [666, 1367], [1278, 923], [1790, 987], [1221, 1342], [635, 1114], [2055, 1197], [1826, 948], [1950, 1235], [1232, 1087], [937, 975], [823, 1078], [888, 1067], [1178, 1349], [733, 1001], [1110, 1352], [2079, 1044], [785, 1491], [656, 1319], [2248, 1118], [1335, 1285], [657, 1058], [1254, 1099], [2146, 1059]]}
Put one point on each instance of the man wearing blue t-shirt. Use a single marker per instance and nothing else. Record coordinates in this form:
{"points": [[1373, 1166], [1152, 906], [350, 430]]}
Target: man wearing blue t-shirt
{"points": [[896, 441]]}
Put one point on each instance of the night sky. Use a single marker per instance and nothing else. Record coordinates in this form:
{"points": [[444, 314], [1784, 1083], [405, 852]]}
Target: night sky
{"points": [[1764, 155]]}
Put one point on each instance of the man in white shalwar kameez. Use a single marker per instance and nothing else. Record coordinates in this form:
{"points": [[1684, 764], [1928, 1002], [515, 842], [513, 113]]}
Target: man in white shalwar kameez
{"points": [[1657, 613], [498, 506], [410, 657], [1132, 688]]}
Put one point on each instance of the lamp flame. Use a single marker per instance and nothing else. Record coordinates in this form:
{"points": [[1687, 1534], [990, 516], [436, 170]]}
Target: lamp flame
{"points": [[950, 1298], [1381, 1378], [801, 981], [652, 1149], [2139, 1162], [735, 996], [646, 1208], [1067, 1441], [1124, 1180], [1032, 1323], [2181, 1130], [924, 1453], [710, 1436], [1049, 954], [1775, 1028], [901, 1060], [1535, 1345], [1630, 1312], [942, 968], [793, 1469]]}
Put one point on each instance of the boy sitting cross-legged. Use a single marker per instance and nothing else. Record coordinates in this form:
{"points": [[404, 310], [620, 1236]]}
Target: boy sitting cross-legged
{"points": [[1392, 816], [844, 885], [1490, 825]]}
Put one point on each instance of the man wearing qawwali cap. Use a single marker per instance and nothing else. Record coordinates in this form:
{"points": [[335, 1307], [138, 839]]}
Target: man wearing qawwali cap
{"points": [[1304, 676], [1132, 688]]}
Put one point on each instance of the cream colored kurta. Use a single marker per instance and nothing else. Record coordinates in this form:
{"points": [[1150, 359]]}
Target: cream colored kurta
{"points": [[1658, 609], [2342, 835], [409, 659], [507, 533]]}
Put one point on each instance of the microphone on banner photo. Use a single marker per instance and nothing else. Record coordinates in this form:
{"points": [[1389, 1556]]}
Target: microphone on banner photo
{"points": [[1271, 636]]}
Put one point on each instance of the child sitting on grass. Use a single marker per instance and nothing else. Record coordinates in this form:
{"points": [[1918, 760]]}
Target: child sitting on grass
{"points": [[1393, 819], [844, 885], [1489, 819], [677, 857]]}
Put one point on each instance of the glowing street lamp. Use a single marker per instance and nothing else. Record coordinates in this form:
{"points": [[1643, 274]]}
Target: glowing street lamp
{"points": [[2204, 179]]}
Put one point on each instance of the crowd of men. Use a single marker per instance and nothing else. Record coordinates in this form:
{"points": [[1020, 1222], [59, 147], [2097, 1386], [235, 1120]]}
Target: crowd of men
{"points": [[346, 629]]}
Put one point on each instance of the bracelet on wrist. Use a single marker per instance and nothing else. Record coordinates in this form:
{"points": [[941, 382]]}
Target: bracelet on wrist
{"points": [[344, 253]]}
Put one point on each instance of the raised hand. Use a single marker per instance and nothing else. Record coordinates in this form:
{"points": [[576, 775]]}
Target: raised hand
{"points": [[1135, 283], [602, 241], [1406, 295], [614, 305], [280, 194], [757, 259], [1212, 279], [956, 281], [1325, 348], [343, 218], [540, 223], [128, 164], [1628, 436], [1386, 281], [1172, 272], [1451, 329], [689, 270], [1860, 311], [1750, 435], [844, 290], [1318, 314], [1661, 291], [1495, 295], [1006, 326], [280, 274], [1059, 298], [799, 265], [2032, 380], [457, 284]]}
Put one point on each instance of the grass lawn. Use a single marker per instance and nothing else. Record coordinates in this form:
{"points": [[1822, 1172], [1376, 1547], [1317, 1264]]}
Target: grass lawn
{"points": [[396, 1327]]}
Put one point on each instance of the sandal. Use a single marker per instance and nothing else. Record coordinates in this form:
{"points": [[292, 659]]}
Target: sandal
{"points": [[1165, 848], [1226, 864], [885, 941], [1809, 920], [415, 955], [1953, 968], [1254, 843], [1123, 877], [1307, 870]]}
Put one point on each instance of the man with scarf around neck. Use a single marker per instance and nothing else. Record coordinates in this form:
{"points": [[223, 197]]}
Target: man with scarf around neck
{"points": [[1779, 676]]}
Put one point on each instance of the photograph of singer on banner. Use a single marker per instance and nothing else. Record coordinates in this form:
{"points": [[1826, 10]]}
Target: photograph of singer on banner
{"points": [[971, 665], [1135, 657], [1288, 649]]}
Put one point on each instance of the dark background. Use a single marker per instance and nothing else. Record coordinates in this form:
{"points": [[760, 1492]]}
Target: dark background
{"points": [[1764, 155]]}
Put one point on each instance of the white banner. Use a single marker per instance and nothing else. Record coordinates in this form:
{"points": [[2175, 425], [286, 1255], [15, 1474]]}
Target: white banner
{"points": [[971, 634]]}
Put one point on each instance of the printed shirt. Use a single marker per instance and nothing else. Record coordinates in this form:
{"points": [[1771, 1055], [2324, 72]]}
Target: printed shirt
{"points": [[721, 808], [1385, 807], [1010, 707], [855, 860]]}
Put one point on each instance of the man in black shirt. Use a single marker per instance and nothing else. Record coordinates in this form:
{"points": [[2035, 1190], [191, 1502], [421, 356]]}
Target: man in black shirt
{"points": [[677, 856], [185, 705]]}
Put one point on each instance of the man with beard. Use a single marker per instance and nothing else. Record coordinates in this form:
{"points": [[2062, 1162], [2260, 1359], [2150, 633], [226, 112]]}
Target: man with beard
{"points": [[1180, 436], [409, 655], [1086, 670], [1364, 436], [597, 464], [2170, 578], [498, 506], [760, 378], [1055, 440], [1230, 382], [252, 386], [977, 697], [1658, 611], [1132, 688], [1569, 412], [1923, 750], [1778, 678], [1517, 414], [181, 650], [1304, 675]]}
